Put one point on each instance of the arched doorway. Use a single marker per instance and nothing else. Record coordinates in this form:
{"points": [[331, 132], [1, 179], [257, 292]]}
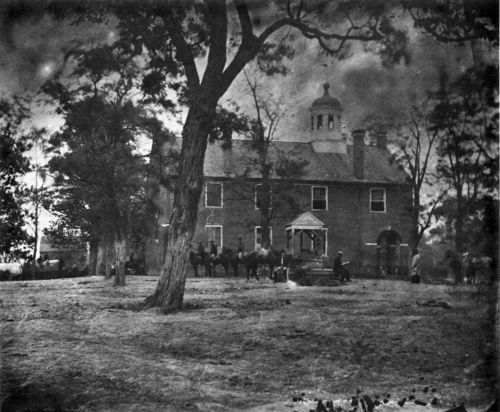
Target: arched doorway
{"points": [[389, 252]]}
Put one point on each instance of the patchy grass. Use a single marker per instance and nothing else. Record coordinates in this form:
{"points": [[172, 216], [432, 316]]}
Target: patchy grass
{"points": [[82, 344]]}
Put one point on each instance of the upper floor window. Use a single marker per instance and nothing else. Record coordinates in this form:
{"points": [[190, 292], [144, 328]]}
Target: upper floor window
{"points": [[214, 232], [377, 200], [262, 197], [330, 122], [319, 125], [319, 195], [213, 194]]}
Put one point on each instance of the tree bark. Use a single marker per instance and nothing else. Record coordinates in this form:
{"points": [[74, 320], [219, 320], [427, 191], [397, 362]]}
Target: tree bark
{"points": [[169, 292], [120, 249], [459, 226], [108, 257], [265, 219], [94, 247]]}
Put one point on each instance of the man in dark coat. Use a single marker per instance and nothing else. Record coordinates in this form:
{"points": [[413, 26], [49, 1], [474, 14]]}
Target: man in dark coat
{"points": [[455, 265], [213, 249], [280, 273], [201, 249], [240, 248], [337, 265]]}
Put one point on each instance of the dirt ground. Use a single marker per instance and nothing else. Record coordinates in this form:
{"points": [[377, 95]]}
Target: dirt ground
{"points": [[82, 344]]}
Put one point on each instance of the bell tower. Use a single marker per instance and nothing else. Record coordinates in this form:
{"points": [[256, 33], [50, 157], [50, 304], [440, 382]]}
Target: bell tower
{"points": [[326, 124]]}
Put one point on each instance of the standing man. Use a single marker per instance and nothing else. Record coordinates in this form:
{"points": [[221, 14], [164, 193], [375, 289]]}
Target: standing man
{"points": [[201, 249], [415, 269], [337, 266], [213, 249], [455, 266], [240, 248], [470, 269]]}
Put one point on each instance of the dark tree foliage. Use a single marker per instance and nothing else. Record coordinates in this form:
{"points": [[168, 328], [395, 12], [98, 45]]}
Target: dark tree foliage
{"points": [[13, 165], [456, 20], [99, 173], [466, 120]]}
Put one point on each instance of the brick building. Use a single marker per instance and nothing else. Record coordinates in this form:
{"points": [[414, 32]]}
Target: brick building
{"points": [[349, 195]]}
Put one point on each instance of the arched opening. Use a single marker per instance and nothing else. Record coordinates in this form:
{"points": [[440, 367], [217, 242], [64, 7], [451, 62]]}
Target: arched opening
{"points": [[389, 252]]}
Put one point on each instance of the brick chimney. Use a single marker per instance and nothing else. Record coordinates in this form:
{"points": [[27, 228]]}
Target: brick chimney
{"points": [[358, 153], [382, 138], [227, 155]]}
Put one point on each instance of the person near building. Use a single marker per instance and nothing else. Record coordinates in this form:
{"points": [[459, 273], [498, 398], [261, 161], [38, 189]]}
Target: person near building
{"points": [[470, 268], [338, 268], [415, 267], [213, 249], [455, 266], [280, 273], [240, 248], [200, 249]]}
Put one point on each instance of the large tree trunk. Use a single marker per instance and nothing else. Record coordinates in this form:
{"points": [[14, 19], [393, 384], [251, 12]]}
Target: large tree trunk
{"points": [[94, 247], [120, 248], [109, 258], [265, 220], [169, 292], [459, 228]]}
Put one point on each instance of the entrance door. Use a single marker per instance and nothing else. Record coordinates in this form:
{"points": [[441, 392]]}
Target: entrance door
{"points": [[389, 252]]}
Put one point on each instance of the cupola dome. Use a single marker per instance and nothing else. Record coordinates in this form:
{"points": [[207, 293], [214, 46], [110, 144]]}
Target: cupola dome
{"points": [[326, 101]]}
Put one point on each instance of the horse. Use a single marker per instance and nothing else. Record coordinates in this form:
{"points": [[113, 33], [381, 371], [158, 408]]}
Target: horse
{"points": [[227, 258], [198, 259], [254, 259]]}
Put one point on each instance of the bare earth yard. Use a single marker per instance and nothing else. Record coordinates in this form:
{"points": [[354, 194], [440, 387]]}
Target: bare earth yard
{"points": [[82, 344]]}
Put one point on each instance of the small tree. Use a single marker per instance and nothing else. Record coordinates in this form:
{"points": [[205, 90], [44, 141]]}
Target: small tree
{"points": [[414, 149], [273, 194]]}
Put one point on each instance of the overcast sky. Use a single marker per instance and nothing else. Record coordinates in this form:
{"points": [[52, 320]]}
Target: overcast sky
{"points": [[32, 49]]}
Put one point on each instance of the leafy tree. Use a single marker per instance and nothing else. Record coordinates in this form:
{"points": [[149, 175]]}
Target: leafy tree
{"points": [[466, 121], [98, 168], [13, 165]]}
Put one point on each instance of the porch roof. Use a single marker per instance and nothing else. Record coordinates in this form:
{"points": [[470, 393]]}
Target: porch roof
{"points": [[306, 221]]}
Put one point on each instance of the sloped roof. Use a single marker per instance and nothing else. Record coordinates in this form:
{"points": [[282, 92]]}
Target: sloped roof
{"points": [[306, 220], [321, 167]]}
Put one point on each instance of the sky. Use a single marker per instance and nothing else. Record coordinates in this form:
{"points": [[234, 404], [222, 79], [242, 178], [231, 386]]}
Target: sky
{"points": [[33, 48]]}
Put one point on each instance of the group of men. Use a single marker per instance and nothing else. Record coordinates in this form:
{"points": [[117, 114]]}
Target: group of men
{"points": [[458, 268], [280, 271]]}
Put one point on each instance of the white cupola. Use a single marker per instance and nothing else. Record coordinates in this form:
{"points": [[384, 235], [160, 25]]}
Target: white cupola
{"points": [[326, 124]]}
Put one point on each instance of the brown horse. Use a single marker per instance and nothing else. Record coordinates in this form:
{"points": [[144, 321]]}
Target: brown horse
{"points": [[253, 260]]}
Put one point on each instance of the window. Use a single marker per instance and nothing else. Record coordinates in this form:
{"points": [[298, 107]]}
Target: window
{"points": [[319, 196], [214, 232], [259, 196], [320, 122], [312, 122], [330, 121], [258, 236], [377, 200], [213, 195]]}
